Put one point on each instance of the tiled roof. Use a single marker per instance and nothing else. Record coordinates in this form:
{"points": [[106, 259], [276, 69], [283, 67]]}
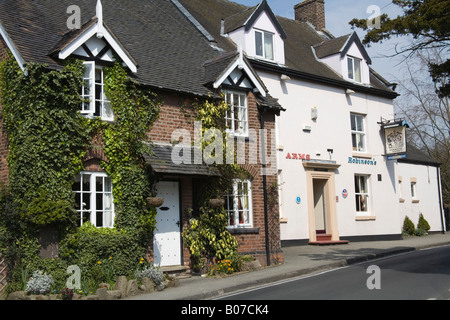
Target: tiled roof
{"points": [[416, 156], [162, 163], [169, 51], [299, 42], [169, 48], [329, 47]]}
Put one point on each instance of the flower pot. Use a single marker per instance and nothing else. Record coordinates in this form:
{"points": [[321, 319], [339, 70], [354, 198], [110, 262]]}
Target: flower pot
{"points": [[155, 201], [216, 203]]}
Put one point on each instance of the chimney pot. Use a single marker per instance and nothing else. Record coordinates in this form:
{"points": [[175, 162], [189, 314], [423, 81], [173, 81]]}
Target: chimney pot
{"points": [[312, 11]]}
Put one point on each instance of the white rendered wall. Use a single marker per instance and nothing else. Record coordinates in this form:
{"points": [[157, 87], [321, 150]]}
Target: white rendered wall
{"points": [[331, 130], [427, 194], [247, 38]]}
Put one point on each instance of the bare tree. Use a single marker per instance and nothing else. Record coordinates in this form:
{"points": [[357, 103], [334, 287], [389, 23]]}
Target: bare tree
{"points": [[427, 113]]}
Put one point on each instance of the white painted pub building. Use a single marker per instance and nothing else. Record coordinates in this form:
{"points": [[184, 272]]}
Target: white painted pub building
{"points": [[336, 182]]}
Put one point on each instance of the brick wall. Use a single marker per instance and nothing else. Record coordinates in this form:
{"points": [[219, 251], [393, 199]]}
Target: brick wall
{"points": [[4, 146], [178, 114], [312, 11]]}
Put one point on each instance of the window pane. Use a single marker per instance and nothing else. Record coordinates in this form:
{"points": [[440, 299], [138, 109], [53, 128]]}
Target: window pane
{"points": [[350, 68], [86, 180], [258, 43], [353, 122], [268, 45], [357, 70], [77, 201], [99, 219], [108, 184], [357, 188], [360, 123]]}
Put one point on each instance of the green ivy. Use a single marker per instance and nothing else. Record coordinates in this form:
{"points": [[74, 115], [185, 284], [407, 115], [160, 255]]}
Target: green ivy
{"points": [[47, 136], [48, 140], [125, 142]]}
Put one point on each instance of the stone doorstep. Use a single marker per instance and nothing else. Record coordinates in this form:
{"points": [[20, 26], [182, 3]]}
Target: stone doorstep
{"points": [[179, 272]]}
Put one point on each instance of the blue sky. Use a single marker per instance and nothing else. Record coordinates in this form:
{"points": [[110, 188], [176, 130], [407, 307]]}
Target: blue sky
{"points": [[338, 13]]}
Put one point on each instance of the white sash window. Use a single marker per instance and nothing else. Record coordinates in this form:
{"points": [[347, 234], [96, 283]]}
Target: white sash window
{"points": [[238, 204], [94, 199], [95, 103]]}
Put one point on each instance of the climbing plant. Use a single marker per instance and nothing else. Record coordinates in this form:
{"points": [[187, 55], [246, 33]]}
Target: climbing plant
{"points": [[48, 140], [206, 236]]}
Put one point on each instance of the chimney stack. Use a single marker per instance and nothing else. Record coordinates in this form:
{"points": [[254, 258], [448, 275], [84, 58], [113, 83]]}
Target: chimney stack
{"points": [[312, 11]]}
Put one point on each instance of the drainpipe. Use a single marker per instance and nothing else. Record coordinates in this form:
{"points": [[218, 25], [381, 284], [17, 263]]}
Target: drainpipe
{"points": [[438, 170], [263, 159]]}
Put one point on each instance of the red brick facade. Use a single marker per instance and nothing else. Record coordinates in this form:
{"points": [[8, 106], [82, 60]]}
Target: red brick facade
{"points": [[312, 11], [177, 114]]}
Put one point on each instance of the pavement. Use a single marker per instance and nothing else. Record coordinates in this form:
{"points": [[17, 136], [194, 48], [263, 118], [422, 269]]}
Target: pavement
{"points": [[299, 261]]}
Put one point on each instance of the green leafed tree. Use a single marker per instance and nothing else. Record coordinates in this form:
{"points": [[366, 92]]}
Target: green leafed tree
{"points": [[427, 21]]}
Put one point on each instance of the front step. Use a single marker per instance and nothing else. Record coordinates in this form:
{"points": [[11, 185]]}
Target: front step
{"points": [[325, 240], [179, 272]]}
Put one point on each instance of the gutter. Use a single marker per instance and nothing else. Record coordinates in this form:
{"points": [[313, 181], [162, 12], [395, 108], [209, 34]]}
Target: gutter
{"points": [[312, 77]]}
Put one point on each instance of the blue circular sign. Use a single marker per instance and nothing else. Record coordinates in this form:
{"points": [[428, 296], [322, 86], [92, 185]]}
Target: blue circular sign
{"points": [[298, 200], [345, 193]]}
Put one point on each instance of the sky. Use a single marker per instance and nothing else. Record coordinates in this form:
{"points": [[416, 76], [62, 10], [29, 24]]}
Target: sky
{"points": [[338, 13]]}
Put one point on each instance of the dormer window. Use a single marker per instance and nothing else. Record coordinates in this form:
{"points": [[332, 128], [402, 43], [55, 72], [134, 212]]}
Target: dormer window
{"points": [[354, 69], [264, 44], [95, 103]]}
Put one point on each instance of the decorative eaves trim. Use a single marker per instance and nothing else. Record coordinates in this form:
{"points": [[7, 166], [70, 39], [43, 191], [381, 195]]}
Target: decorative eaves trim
{"points": [[241, 64], [264, 6], [355, 39], [109, 37]]}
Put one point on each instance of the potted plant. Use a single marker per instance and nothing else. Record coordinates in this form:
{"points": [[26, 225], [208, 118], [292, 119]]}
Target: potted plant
{"points": [[155, 201], [217, 202]]}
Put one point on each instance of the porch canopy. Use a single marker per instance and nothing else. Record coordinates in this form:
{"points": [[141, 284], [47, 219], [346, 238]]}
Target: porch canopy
{"points": [[162, 163]]}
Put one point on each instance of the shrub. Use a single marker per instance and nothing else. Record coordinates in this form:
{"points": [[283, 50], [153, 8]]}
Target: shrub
{"points": [[39, 283], [408, 226], [155, 274], [423, 224]]}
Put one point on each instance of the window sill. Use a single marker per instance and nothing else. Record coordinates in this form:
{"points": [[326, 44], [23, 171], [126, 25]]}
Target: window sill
{"points": [[401, 200], [415, 200], [243, 230], [365, 218], [362, 155]]}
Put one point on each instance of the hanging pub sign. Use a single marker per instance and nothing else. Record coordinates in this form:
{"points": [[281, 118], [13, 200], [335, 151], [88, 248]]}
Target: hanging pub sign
{"points": [[395, 138]]}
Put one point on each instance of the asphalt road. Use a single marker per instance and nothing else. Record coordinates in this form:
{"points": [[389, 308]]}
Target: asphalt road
{"points": [[418, 275]]}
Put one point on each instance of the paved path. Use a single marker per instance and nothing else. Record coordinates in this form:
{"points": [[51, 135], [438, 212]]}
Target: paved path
{"points": [[299, 260]]}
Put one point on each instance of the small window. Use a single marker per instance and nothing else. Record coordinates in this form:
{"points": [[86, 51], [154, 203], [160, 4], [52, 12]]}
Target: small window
{"points": [[93, 199], [358, 133], [413, 190], [354, 69], [264, 44], [362, 193], [236, 117], [95, 103], [238, 204]]}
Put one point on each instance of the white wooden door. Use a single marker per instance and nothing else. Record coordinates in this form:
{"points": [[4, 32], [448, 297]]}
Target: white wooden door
{"points": [[167, 236]]}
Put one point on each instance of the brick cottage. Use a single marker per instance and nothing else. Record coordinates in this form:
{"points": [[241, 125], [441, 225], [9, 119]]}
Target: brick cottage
{"points": [[163, 49]]}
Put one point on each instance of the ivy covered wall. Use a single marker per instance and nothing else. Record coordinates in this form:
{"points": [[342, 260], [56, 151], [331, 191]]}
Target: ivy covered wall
{"points": [[48, 141]]}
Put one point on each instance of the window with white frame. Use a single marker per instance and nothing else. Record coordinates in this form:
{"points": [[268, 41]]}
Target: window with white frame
{"points": [[95, 103], [236, 117], [238, 204], [354, 69], [358, 132], [362, 193], [264, 44], [94, 199]]}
